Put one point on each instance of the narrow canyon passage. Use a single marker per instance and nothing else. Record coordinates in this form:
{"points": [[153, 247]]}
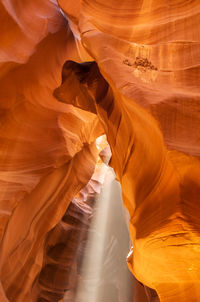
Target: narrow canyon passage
{"points": [[104, 273], [167, 212], [88, 87]]}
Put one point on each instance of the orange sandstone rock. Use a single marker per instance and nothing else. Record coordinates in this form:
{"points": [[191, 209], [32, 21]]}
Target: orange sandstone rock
{"points": [[142, 91]]}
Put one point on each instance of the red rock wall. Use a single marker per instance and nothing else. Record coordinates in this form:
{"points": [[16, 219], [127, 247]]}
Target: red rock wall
{"points": [[142, 92]]}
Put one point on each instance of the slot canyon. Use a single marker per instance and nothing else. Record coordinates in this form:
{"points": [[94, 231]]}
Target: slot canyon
{"points": [[100, 151]]}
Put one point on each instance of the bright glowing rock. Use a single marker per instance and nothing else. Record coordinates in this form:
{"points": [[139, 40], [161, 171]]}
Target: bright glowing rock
{"points": [[142, 92]]}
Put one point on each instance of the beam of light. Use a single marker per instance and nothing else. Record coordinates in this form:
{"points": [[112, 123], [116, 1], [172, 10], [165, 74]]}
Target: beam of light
{"points": [[87, 290], [100, 276]]}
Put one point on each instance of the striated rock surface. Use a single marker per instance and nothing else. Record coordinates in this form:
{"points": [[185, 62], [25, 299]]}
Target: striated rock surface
{"points": [[70, 72]]}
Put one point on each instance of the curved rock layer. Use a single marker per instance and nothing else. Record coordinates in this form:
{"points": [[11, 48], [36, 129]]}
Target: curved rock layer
{"points": [[158, 164], [142, 91], [161, 227], [64, 246], [43, 143]]}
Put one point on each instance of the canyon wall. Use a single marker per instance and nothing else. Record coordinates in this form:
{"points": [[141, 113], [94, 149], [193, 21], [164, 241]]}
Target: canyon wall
{"points": [[69, 73]]}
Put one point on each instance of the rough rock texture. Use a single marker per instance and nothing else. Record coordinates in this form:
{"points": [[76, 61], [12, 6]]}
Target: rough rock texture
{"points": [[70, 72]]}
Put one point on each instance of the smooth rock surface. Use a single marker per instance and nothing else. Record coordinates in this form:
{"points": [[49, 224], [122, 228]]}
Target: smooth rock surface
{"points": [[69, 73]]}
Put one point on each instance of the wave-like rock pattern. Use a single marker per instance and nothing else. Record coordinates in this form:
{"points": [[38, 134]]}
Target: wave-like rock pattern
{"points": [[43, 143], [151, 60], [163, 218], [63, 247], [143, 92]]}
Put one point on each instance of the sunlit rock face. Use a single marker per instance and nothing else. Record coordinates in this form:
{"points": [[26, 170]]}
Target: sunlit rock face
{"points": [[69, 73]]}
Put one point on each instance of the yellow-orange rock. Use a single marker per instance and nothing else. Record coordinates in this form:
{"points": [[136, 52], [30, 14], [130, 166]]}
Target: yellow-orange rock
{"points": [[142, 91]]}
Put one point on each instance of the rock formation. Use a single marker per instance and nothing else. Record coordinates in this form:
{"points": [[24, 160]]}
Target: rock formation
{"points": [[71, 71]]}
